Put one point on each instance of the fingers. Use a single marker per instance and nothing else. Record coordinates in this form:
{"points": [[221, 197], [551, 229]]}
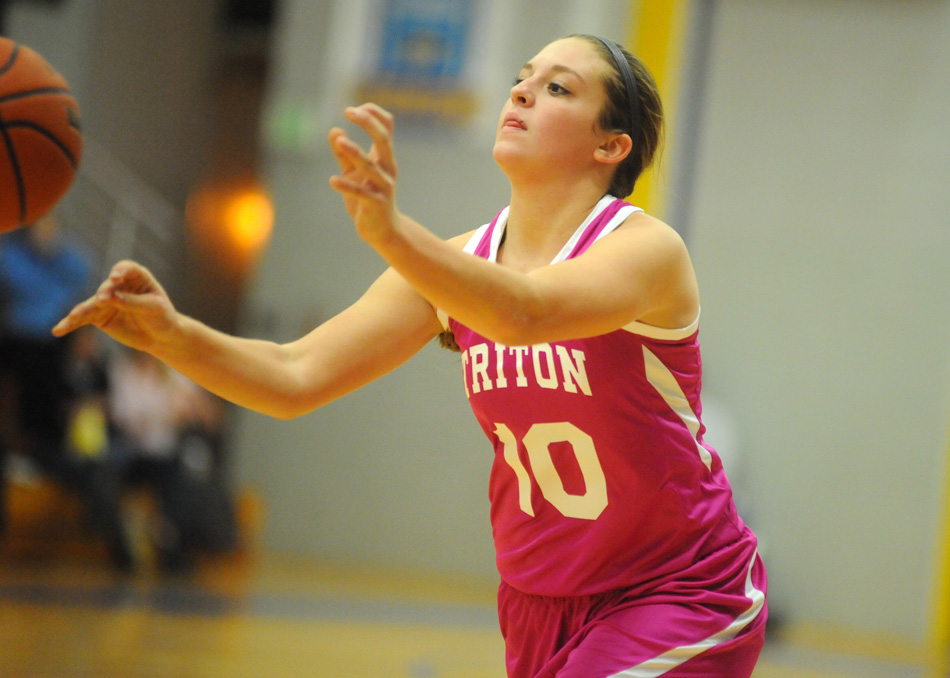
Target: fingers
{"points": [[375, 120], [95, 310], [359, 170], [129, 276], [129, 287], [335, 138], [378, 123], [345, 151], [361, 173], [91, 310], [379, 113]]}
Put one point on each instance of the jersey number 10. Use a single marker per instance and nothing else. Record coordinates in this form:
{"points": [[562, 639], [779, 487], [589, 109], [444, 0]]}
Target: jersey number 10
{"points": [[537, 442]]}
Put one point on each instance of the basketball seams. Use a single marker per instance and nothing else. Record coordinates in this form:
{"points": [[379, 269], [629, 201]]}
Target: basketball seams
{"points": [[40, 134], [8, 142], [13, 55], [50, 136], [34, 93], [15, 165]]}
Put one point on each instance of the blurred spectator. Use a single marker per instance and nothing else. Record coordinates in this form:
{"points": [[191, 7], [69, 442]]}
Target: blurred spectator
{"points": [[89, 454], [42, 275], [167, 432], [97, 426]]}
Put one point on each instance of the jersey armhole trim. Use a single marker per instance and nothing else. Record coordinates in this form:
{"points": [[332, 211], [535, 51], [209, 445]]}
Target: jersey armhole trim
{"points": [[662, 333]]}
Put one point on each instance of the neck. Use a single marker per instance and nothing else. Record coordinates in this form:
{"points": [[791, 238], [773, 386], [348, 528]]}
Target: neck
{"points": [[542, 218]]}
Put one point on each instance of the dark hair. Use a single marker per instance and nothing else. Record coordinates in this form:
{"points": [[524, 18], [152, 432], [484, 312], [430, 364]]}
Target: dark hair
{"points": [[616, 115]]}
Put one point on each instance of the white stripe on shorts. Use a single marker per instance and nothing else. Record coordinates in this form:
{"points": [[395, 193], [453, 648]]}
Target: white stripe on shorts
{"points": [[668, 661]]}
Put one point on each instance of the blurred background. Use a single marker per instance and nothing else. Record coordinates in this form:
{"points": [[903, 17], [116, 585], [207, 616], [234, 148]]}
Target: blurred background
{"points": [[806, 166]]}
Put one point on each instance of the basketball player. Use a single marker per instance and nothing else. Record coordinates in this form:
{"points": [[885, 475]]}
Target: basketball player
{"points": [[618, 544]]}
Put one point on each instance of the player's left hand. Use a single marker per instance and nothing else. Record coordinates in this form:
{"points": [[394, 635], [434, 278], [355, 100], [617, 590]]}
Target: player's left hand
{"points": [[367, 180]]}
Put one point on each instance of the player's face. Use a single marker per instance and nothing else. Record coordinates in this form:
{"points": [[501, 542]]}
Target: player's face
{"points": [[551, 118]]}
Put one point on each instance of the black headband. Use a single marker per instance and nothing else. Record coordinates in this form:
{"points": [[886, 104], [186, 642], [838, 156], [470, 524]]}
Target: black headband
{"points": [[629, 85]]}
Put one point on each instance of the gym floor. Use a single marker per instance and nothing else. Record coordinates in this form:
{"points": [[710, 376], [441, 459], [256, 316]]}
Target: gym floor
{"points": [[257, 616]]}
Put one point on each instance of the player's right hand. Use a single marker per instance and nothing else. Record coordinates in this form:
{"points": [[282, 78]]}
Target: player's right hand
{"points": [[367, 179], [130, 306]]}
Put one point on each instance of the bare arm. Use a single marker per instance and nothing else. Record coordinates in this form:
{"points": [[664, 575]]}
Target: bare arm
{"points": [[640, 272], [383, 329]]}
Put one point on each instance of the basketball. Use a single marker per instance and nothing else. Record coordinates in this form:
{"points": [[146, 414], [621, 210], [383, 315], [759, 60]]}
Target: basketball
{"points": [[40, 139]]}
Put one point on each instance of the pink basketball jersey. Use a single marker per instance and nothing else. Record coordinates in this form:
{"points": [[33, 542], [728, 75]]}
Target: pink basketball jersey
{"points": [[601, 479]]}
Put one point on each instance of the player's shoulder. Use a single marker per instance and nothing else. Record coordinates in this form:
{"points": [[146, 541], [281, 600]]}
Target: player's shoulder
{"points": [[645, 222], [641, 230]]}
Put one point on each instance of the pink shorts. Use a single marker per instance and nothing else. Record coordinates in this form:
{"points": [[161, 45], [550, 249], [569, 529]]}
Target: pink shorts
{"points": [[675, 632]]}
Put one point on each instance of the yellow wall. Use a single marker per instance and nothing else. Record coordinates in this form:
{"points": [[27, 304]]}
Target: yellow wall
{"points": [[657, 34], [940, 623]]}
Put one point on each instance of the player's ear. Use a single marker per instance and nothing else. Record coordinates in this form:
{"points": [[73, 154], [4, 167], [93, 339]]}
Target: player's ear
{"points": [[614, 148]]}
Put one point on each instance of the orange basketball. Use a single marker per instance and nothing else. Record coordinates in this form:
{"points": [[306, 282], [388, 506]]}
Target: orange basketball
{"points": [[40, 139]]}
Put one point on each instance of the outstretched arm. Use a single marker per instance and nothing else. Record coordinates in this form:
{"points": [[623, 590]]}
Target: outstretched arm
{"points": [[383, 329]]}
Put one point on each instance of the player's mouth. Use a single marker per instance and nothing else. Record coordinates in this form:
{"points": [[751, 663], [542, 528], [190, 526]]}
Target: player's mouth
{"points": [[512, 121]]}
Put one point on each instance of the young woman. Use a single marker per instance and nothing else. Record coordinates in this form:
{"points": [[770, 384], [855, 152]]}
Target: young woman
{"points": [[618, 544]]}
